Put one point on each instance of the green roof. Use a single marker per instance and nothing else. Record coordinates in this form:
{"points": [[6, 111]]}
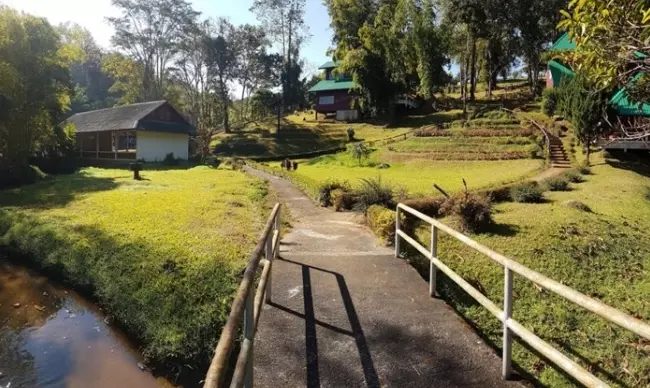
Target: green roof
{"points": [[564, 43], [559, 72], [327, 85], [624, 107], [330, 65]]}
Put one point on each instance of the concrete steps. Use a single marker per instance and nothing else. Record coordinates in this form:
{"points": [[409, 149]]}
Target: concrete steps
{"points": [[559, 158]]}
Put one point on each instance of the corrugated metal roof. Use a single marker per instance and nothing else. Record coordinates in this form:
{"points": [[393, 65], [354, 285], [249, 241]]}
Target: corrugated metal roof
{"points": [[330, 65], [564, 43], [559, 72], [123, 117], [624, 107], [327, 85]]}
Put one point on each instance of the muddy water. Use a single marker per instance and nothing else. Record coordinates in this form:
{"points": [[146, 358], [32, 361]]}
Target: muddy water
{"points": [[51, 337]]}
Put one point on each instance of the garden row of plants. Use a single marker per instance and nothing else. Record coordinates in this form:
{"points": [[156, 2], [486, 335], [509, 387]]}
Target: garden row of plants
{"points": [[470, 155], [434, 132]]}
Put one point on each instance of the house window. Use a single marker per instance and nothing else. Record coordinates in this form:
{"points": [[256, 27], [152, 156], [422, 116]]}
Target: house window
{"points": [[326, 100], [124, 141]]}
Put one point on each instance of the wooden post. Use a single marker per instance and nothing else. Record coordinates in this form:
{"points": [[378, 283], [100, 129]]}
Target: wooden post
{"points": [[114, 143], [96, 145]]}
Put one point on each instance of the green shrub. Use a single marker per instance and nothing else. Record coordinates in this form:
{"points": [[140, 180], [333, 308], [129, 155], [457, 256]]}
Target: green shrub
{"points": [[350, 133], [374, 192], [324, 197], [574, 204], [556, 183], [549, 101], [15, 176], [473, 211], [382, 222], [428, 206], [342, 200], [584, 170], [502, 194], [535, 151], [573, 175], [528, 192], [170, 160]]}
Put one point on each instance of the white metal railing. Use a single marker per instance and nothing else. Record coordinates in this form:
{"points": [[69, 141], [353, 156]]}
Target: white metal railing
{"points": [[510, 326], [246, 306]]}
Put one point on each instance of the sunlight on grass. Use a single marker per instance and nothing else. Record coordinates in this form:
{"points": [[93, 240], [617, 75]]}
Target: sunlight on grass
{"points": [[604, 254], [418, 175], [162, 254]]}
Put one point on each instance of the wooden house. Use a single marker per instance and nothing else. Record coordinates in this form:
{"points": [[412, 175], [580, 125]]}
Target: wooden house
{"points": [[336, 94], [147, 131]]}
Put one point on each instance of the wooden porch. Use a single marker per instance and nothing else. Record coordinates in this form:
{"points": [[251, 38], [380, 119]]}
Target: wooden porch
{"points": [[108, 145]]}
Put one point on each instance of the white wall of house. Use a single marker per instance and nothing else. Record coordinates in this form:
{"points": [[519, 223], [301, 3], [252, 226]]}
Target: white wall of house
{"points": [[154, 146]]}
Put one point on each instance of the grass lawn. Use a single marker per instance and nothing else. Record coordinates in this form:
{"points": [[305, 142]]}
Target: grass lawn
{"points": [[163, 255], [415, 175], [299, 133], [604, 254]]}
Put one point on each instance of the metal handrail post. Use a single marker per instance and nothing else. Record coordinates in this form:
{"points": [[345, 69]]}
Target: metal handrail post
{"points": [[432, 267], [397, 214], [507, 333]]}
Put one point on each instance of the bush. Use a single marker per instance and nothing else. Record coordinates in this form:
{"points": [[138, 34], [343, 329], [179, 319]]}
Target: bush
{"points": [[428, 206], [535, 152], [556, 184], [324, 197], [170, 160], [374, 192], [584, 170], [341, 199], [350, 134], [549, 101], [15, 176], [474, 212], [573, 176], [528, 192], [501, 194], [382, 222], [574, 204]]}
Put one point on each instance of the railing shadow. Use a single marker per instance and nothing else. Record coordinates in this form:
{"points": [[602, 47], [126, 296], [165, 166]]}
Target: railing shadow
{"points": [[311, 341]]}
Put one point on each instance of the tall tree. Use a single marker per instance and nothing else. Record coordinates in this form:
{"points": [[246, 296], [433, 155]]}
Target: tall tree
{"points": [[151, 32], [399, 49], [127, 75], [222, 65], [251, 44], [536, 21], [284, 23], [85, 57], [191, 73], [35, 86]]}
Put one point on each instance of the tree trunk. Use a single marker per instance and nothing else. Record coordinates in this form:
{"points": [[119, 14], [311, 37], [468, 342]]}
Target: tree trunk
{"points": [[588, 150], [224, 108], [288, 90], [472, 91]]}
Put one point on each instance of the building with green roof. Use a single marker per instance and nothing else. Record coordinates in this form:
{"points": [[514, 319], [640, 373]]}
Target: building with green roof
{"points": [[336, 94], [558, 71]]}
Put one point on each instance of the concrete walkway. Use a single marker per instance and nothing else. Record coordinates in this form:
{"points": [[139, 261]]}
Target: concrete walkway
{"points": [[346, 313]]}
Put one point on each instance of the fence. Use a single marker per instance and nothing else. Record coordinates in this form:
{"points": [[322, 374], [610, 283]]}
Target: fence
{"points": [[510, 326], [246, 307]]}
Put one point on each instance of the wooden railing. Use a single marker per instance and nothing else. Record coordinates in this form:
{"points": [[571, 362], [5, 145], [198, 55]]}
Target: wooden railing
{"points": [[246, 309], [511, 326]]}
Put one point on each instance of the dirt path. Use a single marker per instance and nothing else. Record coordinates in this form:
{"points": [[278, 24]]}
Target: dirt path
{"points": [[347, 313]]}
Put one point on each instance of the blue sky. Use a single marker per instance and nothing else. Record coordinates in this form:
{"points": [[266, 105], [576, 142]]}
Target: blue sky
{"points": [[92, 13]]}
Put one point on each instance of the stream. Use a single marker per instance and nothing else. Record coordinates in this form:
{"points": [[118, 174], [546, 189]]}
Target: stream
{"points": [[52, 337]]}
